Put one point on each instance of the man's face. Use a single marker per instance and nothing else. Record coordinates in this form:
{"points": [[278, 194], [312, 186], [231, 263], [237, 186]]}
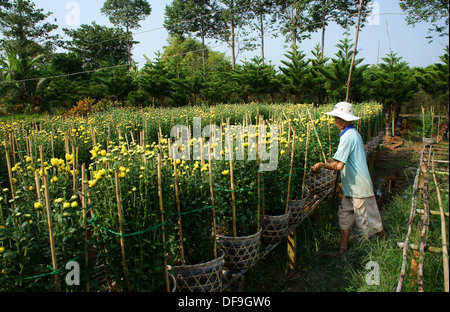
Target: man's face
{"points": [[340, 123]]}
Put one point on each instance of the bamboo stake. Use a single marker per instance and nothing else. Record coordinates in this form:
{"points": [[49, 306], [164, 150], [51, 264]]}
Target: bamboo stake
{"points": [[443, 234], [424, 234], [411, 221], [50, 231], [317, 135], [212, 199], [84, 205], [290, 171], [8, 165], [163, 235], [180, 230], [122, 239], [308, 133], [347, 98], [233, 196]]}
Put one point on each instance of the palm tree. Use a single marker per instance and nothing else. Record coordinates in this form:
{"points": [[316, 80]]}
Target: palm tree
{"points": [[19, 81]]}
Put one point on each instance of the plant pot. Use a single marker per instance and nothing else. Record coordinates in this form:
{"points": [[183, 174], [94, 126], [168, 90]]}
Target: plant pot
{"points": [[297, 210], [275, 228], [203, 277], [240, 252]]}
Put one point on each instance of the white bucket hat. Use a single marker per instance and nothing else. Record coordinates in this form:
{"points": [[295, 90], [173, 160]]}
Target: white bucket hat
{"points": [[344, 111]]}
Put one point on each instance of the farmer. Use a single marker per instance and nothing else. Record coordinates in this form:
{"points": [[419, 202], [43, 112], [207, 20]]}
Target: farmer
{"points": [[358, 202]]}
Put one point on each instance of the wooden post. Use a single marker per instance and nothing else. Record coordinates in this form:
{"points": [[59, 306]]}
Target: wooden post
{"points": [[84, 206], [122, 239], [212, 200], [163, 235], [50, 231], [177, 198], [233, 195]]}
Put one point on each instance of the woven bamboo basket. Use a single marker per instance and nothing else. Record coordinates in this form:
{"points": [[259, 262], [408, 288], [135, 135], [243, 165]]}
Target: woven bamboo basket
{"points": [[203, 277], [274, 228], [240, 252], [297, 210], [321, 182]]}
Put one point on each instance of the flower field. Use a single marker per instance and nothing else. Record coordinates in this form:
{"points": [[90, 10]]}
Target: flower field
{"points": [[119, 192]]}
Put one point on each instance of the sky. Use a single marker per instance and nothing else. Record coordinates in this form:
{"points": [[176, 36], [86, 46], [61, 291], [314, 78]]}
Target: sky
{"points": [[387, 29]]}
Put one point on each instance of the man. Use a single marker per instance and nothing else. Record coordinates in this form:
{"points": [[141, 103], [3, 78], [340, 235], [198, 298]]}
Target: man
{"points": [[358, 202]]}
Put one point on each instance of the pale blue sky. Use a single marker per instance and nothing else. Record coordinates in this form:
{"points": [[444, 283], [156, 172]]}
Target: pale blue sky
{"points": [[410, 42]]}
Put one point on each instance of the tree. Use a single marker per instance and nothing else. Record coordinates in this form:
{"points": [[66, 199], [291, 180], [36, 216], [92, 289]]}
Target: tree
{"points": [[343, 13], [126, 14], [298, 75], [97, 45], [393, 85], [234, 15], [263, 18], [115, 84], [19, 89], [337, 74], [24, 30], [318, 63], [295, 22], [430, 11], [199, 19], [434, 80]]}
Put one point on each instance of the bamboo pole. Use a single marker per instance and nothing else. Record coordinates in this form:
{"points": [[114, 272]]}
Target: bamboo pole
{"points": [[84, 206], [443, 234], [233, 195], [50, 231], [122, 239], [424, 234], [317, 135], [347, 98], [8, 165], [308, 133], [163, 235], [290, 172], [177, 198], [411, 221], [212, 199]]}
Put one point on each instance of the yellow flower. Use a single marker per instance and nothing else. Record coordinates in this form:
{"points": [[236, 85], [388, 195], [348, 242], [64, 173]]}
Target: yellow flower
{"points": [[282, 152], [225, 172], [54, 179], [122, 168], [28, 159], [103, 152], [38, 205], [54, 161], [74, 204], [66, 205], [59, 200], [69, 157], [2, 250], [122, 174], [134, 189], [92, 183]]}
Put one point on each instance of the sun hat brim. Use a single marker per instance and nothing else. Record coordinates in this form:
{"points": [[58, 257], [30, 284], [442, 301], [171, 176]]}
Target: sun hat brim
{"points": [[340, 114]]}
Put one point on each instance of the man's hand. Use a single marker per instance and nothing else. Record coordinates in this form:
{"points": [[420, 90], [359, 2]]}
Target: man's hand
{"points": [[315, 168]]}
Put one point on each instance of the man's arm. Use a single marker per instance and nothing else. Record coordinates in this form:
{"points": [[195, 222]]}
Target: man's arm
{"points": [[331, 164]]}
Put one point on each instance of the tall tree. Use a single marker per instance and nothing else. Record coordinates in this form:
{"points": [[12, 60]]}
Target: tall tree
{"points": [[24, 29], [393, 85], [434, 80], [337, 74], [97, 45], [127, 14], [234, 15], [199, 19], [343, 13], [263, 19], [295, 21], [429, 11]]}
